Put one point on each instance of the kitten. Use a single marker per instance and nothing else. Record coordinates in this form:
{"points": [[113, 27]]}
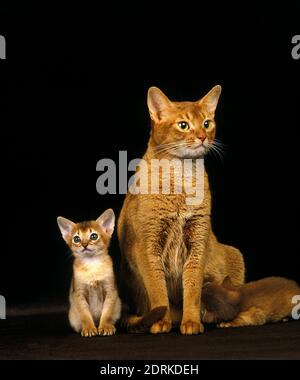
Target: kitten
{"points": [[168, 247], [252, 304], [94, 302]]}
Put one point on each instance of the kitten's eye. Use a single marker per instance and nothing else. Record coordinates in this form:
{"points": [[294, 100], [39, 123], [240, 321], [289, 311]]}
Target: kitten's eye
{"points": [[94, 236], [207, 124], [76, 239], [183, 125]]}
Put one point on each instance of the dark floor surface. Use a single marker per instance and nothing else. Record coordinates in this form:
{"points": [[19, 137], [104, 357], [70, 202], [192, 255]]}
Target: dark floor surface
{"points": [[33, 334]]}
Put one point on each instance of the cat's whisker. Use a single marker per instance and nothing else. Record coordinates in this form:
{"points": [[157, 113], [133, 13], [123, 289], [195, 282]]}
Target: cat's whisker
{"points": [[213, 153], [167, 150], [169, 144], [218, 153], [163, 147], [171, 148], [218, 147], [221, 144]]}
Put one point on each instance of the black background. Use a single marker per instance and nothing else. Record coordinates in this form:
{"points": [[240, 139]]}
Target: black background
{"points": [[73, 91]]}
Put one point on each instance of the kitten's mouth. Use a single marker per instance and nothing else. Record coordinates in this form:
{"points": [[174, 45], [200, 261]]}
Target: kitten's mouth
{"points": [[86, 250], [89, 253]]}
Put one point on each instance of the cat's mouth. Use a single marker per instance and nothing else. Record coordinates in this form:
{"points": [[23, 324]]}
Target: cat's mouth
{"points": [[195, 151], [200, 147]]}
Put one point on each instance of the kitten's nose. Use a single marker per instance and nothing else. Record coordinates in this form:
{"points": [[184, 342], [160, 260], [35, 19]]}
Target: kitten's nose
{"points": [[85, 244]]}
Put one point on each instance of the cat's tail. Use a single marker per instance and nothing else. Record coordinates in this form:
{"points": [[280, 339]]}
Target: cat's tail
{"points": [[136, 324]]}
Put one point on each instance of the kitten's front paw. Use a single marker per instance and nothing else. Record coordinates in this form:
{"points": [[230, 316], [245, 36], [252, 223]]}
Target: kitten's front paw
{"points": [[161, 327], [89, 331], [191, 328], [107, 330]]}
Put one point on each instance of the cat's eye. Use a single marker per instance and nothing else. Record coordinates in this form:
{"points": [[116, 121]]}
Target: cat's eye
{"points": [[183, 125], [206, 124], [94, 236], [76, 239]]}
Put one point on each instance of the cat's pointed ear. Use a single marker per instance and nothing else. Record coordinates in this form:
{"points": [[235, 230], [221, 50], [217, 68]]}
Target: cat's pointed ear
{"points": [[107, 221], [158, 103], [65, 226], [227, 283], [211, 100]]}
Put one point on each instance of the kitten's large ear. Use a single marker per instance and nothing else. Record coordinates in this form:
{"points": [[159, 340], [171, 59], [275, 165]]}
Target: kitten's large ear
{"points": [[65, 226], [211, 100], [107, 221], [158, 103]]}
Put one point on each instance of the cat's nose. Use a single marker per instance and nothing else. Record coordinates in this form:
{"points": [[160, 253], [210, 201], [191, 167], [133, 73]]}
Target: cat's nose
{"points": [[202, 136], [85, 244]]}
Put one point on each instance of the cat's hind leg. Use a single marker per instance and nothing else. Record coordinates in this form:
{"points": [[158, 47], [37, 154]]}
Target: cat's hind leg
{"points": [[235, 266], [252, 317]]}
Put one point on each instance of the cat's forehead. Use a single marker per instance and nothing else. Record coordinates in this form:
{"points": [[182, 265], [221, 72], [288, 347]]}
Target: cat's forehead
{"points": [[189, 110], [186, 105]]}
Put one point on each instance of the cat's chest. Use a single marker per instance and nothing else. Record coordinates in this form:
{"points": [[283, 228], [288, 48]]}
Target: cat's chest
{"points": [[174, 250], [90, 274]]}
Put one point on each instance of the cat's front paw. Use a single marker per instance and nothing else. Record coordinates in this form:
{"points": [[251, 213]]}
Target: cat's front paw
{"points": [[161, 327], [89, 331], [107, 330], [191, 328]]}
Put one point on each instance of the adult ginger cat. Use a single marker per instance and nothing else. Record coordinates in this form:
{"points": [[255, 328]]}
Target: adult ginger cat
{"points": [[168, 248]]}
